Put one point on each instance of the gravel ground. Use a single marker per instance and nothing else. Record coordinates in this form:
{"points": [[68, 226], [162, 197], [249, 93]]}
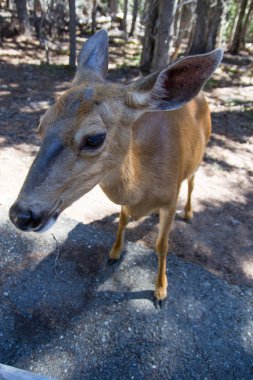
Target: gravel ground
{"points": [[66, 314]]}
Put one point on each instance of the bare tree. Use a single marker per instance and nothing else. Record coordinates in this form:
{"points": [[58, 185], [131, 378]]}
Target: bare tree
{"points": [[123, 25], [246, 24], [72, 33], [184, 19], [135, 13], [93, 16], [23, 17], [209, 16], [238, 34], [158, 34], [221, 37], [113, 7], [149, 38]]}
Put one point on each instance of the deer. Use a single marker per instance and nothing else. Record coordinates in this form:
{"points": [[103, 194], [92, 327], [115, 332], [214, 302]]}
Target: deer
{"points": [[138, 141]]}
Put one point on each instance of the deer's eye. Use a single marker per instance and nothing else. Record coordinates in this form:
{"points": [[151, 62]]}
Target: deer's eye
{"points": [[92, 142]]}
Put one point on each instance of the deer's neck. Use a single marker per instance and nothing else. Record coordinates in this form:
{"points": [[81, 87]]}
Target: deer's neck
{"points": [[122, 185]]}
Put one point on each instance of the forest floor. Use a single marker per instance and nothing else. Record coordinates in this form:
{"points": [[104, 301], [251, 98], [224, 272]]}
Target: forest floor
{"points": [[219, 239]]}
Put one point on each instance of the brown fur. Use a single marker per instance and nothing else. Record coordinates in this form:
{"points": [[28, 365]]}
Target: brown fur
{"points": [[142, 166], [166, 148]]}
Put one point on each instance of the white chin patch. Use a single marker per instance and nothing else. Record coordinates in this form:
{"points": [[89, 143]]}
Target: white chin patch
{"points": [[47, 225]]}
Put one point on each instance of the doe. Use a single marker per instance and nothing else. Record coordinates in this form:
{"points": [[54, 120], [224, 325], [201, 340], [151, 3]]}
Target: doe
{"points": [[110, 134]]}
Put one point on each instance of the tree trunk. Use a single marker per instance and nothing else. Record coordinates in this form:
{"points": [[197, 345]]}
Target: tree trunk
{"points": [[167, 11], [222, 38], [113, 7], [72, 33], [158, 35], [209, 16], [135, 13], [123, 25], [237, 37], [246, 24], [183, 24], [148, 44], [24, 24], [93, 16]]}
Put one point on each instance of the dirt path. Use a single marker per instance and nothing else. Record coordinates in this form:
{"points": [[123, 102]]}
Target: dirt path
{"points": [[220, 240]]}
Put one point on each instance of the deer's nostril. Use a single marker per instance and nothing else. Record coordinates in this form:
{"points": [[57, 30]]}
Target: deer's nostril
{"points": [[24, 219]]}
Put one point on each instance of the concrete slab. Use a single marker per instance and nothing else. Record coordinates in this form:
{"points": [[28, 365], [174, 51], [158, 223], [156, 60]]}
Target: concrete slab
{"points": [[11, 373]]}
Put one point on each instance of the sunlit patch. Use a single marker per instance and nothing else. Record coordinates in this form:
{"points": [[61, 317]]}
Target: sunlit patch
{"points": [[35, 106], [3, 93], [247, 267]]}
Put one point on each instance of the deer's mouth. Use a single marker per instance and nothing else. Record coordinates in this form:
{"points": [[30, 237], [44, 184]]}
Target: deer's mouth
{"points": [[48, 223], [50, 220]]}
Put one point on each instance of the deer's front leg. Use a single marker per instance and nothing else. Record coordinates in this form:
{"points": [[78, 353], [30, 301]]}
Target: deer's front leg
{"points": [[117, 247], [188, 214], [162, 245]]}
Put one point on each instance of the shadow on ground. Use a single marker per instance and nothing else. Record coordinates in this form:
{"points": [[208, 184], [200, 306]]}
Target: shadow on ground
{"points": [[65, 313]]}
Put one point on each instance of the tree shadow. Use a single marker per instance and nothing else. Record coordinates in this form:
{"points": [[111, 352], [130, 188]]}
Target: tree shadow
{"points": [[235, 125], [28, 91], [23, 100], [221, 163], [220, 240], [238, 60]]}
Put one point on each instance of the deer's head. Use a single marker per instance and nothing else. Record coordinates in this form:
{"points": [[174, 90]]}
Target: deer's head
{"points": [[86, 134]]}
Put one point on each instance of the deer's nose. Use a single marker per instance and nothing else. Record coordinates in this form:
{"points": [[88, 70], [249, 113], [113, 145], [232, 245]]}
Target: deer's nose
{"points": [[24, 219]]}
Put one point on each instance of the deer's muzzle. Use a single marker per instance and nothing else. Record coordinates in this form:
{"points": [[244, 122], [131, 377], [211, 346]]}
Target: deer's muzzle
{"points": [[28, 220]]}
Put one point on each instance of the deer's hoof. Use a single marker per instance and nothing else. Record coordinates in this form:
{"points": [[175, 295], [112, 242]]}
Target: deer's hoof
{"points": [[160, 297], [188, 215], [159, 304], [188, 220], [112, 261]]}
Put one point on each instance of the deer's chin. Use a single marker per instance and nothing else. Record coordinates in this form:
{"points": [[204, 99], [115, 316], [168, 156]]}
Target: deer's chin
{"points": [[48, 224]]}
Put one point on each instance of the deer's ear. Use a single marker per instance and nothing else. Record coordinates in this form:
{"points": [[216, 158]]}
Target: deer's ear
{"points": [[93, 56], [178, 83]]}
